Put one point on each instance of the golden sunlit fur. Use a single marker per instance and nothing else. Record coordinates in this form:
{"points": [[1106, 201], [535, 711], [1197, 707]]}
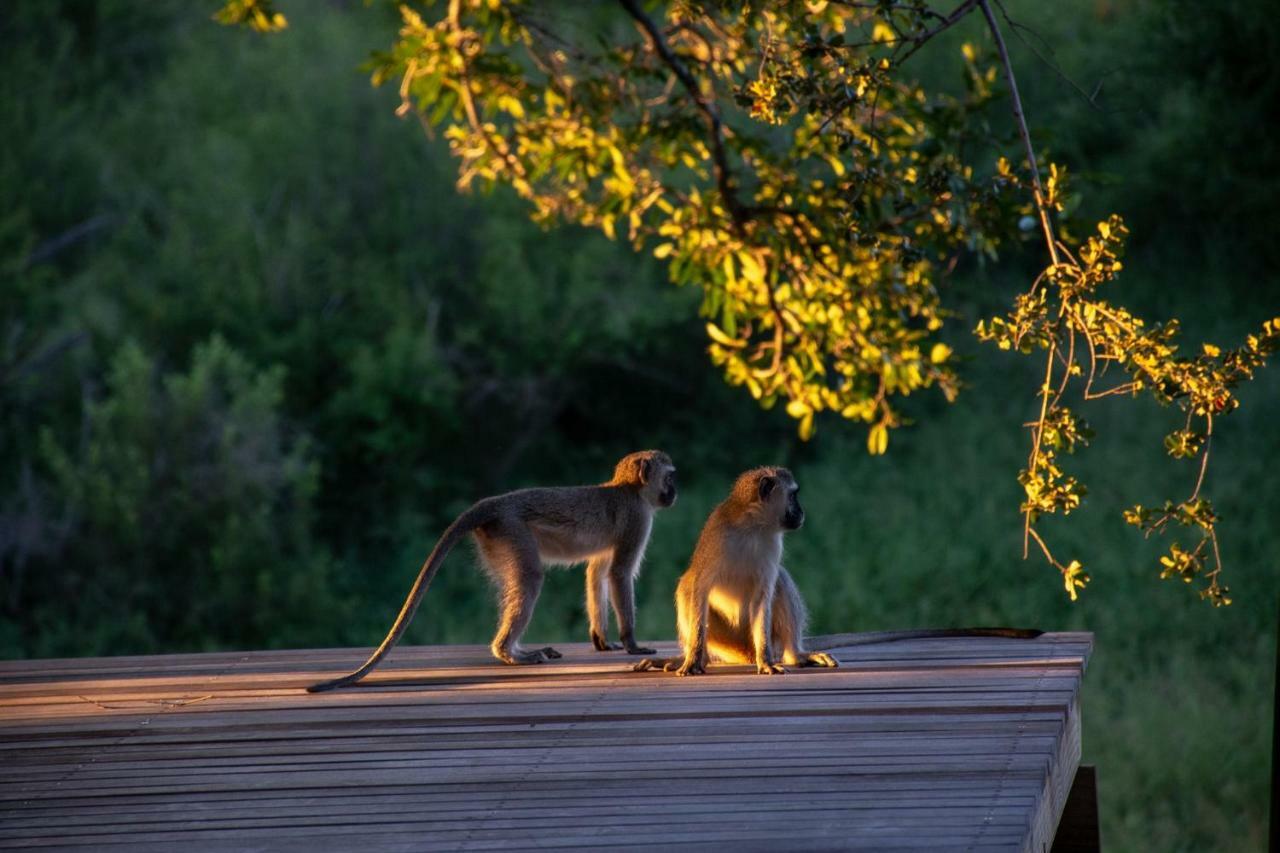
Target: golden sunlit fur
{"points": [[607, 526], [736, 603]]}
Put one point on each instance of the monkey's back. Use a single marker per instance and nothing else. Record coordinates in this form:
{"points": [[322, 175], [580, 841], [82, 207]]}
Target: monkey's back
{"points": [[569, 523]]}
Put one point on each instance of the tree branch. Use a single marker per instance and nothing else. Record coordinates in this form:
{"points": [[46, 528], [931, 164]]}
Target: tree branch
{"points": [[957, 14], [715, 127]]}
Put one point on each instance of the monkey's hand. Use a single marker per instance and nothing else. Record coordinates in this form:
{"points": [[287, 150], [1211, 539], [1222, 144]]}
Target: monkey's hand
{"points": [[603, 645], [817, 659], [765, 667], [649, 664]]}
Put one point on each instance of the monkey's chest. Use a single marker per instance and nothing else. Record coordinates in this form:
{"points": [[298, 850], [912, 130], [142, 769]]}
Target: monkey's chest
{"points": [[739, 587]]}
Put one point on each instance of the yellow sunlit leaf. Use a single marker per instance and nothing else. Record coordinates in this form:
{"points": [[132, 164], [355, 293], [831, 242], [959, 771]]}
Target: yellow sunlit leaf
{"points": [[751, 269], [716, 334], [806, 427], [878, 440], [511, 105], [939, 353], [798, 409]]}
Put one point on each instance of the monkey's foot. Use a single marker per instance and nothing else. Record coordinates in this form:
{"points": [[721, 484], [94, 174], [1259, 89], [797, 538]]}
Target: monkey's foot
{"points": [[603, 645], [817, 659], [526, 657], [629, 641], [767, 668], [691, 668]]}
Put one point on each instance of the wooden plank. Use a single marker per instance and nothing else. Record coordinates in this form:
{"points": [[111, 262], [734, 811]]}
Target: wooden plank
{"points": [[929, 743]]}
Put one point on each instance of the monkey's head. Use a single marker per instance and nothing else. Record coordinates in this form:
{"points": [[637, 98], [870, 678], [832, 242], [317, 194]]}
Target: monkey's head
{"points": [[653, 472], [771, 495]]}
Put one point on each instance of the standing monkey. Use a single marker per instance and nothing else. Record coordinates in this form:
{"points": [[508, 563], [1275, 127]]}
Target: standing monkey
{"points": [[736, 603], [519, 532]]}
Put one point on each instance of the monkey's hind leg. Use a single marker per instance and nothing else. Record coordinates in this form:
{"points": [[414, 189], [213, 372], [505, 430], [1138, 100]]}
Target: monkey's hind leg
{"points": [[510, 555], [598, 604], [789, 620]]}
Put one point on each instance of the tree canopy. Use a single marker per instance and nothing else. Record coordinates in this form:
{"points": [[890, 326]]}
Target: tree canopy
{"points": [[781, 158]]}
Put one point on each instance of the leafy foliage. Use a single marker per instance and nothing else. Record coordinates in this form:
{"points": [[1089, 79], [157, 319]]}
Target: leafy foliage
{"points": [[193, 470], [1084, 335], [258, 15], [768, 154], [785, 164]]}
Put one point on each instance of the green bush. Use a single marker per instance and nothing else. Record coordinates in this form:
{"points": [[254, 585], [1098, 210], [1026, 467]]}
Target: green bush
{"points": [[185, 516]]}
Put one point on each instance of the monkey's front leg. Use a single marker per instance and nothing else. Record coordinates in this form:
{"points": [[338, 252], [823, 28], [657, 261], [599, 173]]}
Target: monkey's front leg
{"points": [[761, 624], [622, 579], [695, 655]]}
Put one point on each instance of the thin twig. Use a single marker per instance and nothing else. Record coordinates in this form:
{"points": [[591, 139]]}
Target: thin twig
{"points": [[1204, 459], [1045, 549], [1057, 69], [957, 14], [1046, 222]]}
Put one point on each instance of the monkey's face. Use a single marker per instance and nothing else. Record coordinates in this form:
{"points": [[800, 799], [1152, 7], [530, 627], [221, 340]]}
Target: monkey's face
{"points": [[660, 484], [667, 496], [793, 516], [656, 475], [781, 495]]}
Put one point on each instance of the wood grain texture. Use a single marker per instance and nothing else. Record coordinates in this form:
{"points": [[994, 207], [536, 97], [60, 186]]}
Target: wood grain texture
{"points": [[923, 744]]}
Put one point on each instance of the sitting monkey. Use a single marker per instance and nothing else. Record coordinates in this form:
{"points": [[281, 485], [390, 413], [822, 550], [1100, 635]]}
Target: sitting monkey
{"points": [[736, 603]]}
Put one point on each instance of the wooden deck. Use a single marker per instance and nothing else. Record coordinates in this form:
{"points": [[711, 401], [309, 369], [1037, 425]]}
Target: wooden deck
{"points": [[929, 744]]}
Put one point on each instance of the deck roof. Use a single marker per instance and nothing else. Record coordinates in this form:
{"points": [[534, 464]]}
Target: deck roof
{"points": [[945, 743]]}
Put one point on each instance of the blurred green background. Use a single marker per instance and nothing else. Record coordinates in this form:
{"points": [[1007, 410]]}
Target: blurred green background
{"points": [[255, 352]]}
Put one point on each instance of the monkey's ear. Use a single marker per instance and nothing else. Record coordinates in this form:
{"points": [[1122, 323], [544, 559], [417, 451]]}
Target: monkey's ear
{"points": [[767, 484], [644, 469]]}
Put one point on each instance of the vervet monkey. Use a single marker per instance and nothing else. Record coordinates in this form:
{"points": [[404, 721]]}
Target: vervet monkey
{"points": [[736, 603], [518, 533]]}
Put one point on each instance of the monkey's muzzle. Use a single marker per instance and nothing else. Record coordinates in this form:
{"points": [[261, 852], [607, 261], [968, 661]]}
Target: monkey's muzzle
{"points": [[793, 520], [667, 498]]}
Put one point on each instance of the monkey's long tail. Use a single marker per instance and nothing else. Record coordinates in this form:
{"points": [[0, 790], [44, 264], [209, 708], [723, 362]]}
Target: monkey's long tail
{"points": [[462, 525], [838, 641]]}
